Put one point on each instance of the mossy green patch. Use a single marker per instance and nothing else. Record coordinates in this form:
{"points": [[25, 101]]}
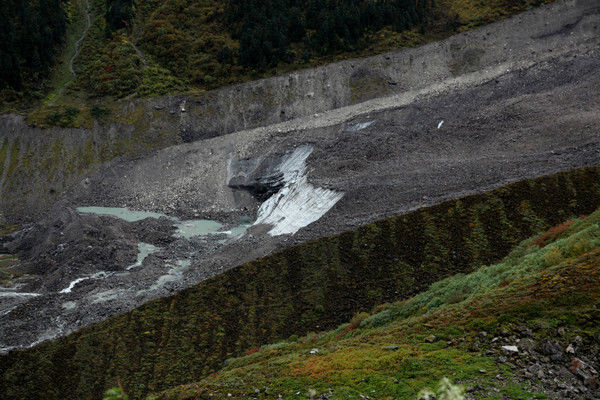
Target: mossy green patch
{"points": [[14, 156]]}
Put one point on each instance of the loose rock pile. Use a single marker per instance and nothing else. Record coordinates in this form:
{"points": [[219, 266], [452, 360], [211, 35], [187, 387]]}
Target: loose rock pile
{"points": [[564, 366]]}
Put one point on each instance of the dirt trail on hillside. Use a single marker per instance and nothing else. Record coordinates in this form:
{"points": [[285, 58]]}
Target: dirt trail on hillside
{"points": [[82, 38], [78, 44]]}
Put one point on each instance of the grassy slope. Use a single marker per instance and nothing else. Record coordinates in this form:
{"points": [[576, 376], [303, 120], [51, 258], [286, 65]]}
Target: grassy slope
{"points": [[311, 287], [127, 78], [534, 286]]}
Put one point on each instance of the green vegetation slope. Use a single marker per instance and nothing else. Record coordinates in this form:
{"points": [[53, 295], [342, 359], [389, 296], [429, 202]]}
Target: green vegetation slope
{"points": [[547, 282], [314, 286]]}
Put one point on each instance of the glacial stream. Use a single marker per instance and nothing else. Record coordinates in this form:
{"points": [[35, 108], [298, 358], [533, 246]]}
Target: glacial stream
{"points": [[296, 204], [186, 229]]}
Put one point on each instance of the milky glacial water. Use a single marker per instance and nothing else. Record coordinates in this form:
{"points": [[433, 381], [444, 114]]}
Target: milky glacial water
{"points": [[107, 295], [175, 273], [97, 275], [185, 229], [7, 311], [123, 213], [144, 250], [17, 294], [198, 227]]}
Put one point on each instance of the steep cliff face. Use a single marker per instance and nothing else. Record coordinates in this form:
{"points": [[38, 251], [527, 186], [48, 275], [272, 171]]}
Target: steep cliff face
{"points": [[53, 159]]}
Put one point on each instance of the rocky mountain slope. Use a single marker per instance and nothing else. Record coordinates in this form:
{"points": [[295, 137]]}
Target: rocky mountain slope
{"points": [[39, 165], [174, 193], [530, 115], [313, 286], [121, 48]]}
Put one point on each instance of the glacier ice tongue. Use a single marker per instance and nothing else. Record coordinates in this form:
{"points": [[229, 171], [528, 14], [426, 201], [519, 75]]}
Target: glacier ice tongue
{"points": [[298, 203]]}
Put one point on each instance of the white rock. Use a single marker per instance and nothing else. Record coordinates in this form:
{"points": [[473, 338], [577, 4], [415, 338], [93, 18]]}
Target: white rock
{"points": [[510, 349]]}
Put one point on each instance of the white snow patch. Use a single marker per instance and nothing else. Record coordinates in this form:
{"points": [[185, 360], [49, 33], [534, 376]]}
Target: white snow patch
{"points": [[440, 124], [360, 126], [145, 249], [298, 203]]}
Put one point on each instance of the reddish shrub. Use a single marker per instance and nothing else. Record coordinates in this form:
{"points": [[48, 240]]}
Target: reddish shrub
{"points": [[252, 350], [551, 234], [345, 331]]}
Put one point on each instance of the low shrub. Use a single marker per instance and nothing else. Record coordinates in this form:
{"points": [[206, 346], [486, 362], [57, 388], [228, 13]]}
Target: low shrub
{"points": [[293, 338], [553, 257], [99, 112], [552, 233], [571, 299], [378, 319], [357, 319], [252, 351], [63, 118], [115, 394], [276, 346]]}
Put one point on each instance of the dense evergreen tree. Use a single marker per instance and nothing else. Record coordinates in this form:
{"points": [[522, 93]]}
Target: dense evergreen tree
{"points": [[266, 28], [29, 33], [119, 14]]}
